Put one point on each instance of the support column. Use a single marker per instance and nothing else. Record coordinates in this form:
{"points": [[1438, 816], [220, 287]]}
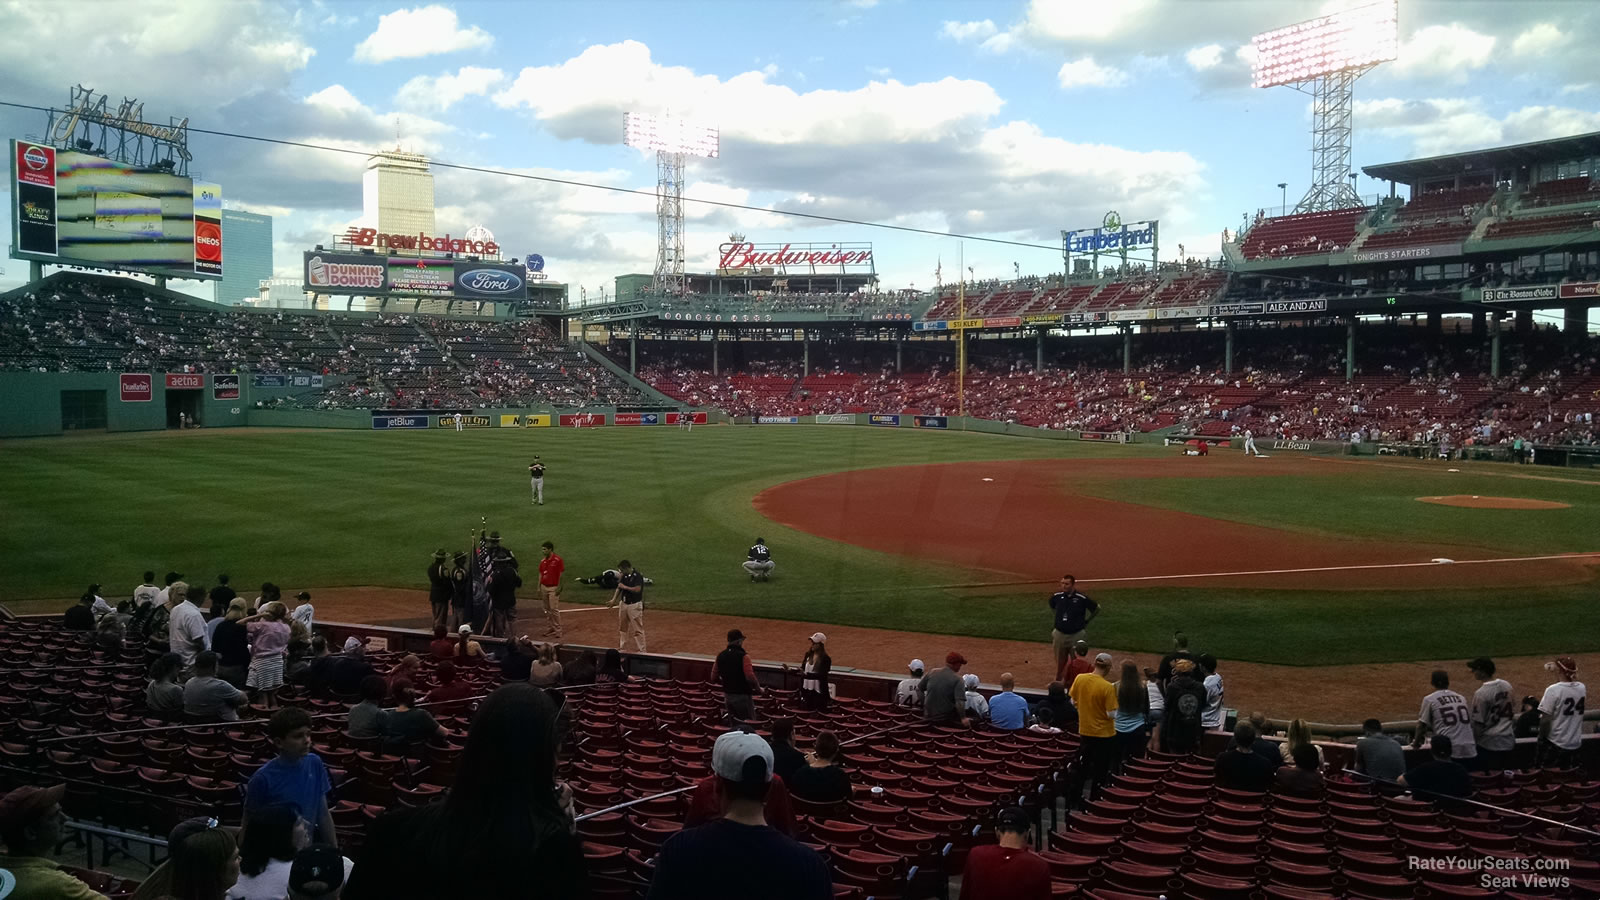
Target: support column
{"points": [[1577, 321], [35, 272], [1479, 328], [805, 360], [1494, 346], [1227, 348], [1435, 323], [633, 354], [1524, 321], [1038, 351], [1350, 350], [714, 342], [899, 348], [1127, 350]]}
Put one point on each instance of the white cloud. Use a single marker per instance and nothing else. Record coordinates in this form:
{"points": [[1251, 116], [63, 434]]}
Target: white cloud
{"points": [[933, 153], [1444, 51], [1065, 22], [1202, 58], [966, 31], [1454, 125], [1085, 72], [443, 92], [1540, 39], [423, 31]]}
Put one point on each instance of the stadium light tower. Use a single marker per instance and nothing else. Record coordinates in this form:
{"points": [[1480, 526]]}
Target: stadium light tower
{"points": [[1323, 57], [674, 141]]}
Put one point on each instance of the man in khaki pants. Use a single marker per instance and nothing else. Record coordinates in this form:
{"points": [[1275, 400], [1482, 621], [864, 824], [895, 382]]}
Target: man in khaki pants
{"points": [[630, 609], [551, 567]]}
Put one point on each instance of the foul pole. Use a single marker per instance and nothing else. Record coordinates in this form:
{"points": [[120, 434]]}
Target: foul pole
{"points": [[961, 332]]}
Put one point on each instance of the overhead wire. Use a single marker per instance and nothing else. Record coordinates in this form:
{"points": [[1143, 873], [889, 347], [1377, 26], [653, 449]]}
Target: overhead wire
{"points": [[842, 220]]}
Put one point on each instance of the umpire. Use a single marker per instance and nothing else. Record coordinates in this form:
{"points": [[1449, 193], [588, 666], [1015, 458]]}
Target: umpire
{"points": [[1073, 612]]}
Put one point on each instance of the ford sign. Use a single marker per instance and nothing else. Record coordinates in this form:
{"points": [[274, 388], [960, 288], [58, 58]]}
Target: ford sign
{"points": [[490, 281]]}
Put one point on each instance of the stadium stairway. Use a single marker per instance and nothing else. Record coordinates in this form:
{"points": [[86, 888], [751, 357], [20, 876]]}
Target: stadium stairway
{"points": [[637, 384]]}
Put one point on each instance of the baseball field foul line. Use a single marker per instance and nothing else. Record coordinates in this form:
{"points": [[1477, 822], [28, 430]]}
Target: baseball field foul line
{"points": [[1411, 565]]}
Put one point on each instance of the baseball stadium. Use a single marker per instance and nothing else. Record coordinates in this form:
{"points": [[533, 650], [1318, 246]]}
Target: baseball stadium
{"points": [[375, 572]]}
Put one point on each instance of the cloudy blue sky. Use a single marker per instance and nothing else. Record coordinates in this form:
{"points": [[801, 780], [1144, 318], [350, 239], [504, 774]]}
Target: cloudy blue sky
{"points": [[1011, 119]]}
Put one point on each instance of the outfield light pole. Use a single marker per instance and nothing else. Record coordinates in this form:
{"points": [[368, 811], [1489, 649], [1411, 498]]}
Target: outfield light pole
{"points": [[1323, 57], [1283, 191], [674, 140]]}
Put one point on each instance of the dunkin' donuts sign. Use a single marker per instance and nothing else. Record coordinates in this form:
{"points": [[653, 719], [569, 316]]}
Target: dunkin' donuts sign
{"points": [[339, 274]]}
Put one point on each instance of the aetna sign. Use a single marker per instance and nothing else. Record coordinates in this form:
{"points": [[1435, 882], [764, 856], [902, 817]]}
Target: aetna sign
{"points": [[371, 237], [747, 255]]}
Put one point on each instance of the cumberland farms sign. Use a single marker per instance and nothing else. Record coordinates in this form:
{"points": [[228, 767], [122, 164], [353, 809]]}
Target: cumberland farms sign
{"points": [[745, 256]]}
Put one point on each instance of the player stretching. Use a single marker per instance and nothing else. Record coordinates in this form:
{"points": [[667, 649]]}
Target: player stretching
{"points": [[536, 474], [1250, 443], [758, 562]]}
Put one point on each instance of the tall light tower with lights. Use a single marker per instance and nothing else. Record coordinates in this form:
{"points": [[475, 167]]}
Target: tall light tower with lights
{"points": [[674, 140], [1323, 57]]}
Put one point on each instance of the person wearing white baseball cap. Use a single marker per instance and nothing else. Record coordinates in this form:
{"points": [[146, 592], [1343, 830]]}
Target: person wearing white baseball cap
{"points": [[909, 691], [739, 855], [814, 669]]}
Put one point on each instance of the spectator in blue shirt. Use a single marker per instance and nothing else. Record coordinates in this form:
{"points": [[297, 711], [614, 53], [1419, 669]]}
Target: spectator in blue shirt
{"points": [[1006, 709], [296, 777]]}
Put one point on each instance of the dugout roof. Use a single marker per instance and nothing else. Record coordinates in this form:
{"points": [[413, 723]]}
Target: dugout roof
{"points": [[1490, 160]]}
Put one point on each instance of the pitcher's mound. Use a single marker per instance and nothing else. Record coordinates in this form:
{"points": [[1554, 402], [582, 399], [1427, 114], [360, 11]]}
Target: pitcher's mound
{"points": [[1473, 501]]}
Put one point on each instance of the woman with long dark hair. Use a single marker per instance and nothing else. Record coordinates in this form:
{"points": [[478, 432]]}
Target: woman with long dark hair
{"points": [[814, 668], [502, 832], [611, 671], [202, 864], [1133, 705]]}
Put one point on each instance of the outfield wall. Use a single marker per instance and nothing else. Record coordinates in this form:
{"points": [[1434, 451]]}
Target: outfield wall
{"points": [[46, 403]]}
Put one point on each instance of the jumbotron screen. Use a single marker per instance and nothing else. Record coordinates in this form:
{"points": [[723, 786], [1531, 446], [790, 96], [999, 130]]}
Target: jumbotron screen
{"points": [[77, 209]]}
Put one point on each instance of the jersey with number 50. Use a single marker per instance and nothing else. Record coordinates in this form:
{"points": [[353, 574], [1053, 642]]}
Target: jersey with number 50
{"points": [[1445, 713]]}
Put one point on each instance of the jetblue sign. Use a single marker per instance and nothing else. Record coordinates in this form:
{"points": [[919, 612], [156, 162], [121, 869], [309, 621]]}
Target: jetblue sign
{"points": [[383, 420]]}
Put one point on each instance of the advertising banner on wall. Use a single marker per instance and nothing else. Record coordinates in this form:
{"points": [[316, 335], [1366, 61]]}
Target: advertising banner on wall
{"points": [[449, 421], [1511, 294], [385, 420], [269, 381], [225, 387], [930, 421], [538, 420], [375, 274], [185, 381], [134, 387], [884, 419], [777, 420], [582, 420], [1580, 290], [510, 421], [837, 419], [623, 418], [305, 380], [33, 193], [208, 228]]}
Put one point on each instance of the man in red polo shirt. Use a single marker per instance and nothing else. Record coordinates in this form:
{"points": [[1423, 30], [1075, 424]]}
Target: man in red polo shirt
{"points": [[1008, 870], [550, 568]]}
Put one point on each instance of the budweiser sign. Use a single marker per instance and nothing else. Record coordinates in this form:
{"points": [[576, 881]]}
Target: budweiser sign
{"points": [[750, 256], [371, 237]]}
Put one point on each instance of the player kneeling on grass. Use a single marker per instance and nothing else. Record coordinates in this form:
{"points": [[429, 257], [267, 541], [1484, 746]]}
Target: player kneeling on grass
{"points": [[758, 562]]}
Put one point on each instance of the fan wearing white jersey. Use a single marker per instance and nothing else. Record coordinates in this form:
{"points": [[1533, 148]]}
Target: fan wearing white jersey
{"points": [[1561, 716], [1445, 712], [1493, 717]]}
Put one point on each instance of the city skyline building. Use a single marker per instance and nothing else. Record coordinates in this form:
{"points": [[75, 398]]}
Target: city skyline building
{"points": [[397, 193], [246, 256]]}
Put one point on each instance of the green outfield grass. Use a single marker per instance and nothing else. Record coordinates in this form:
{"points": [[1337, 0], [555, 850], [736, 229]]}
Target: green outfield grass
{"points": [[334, 508]]}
